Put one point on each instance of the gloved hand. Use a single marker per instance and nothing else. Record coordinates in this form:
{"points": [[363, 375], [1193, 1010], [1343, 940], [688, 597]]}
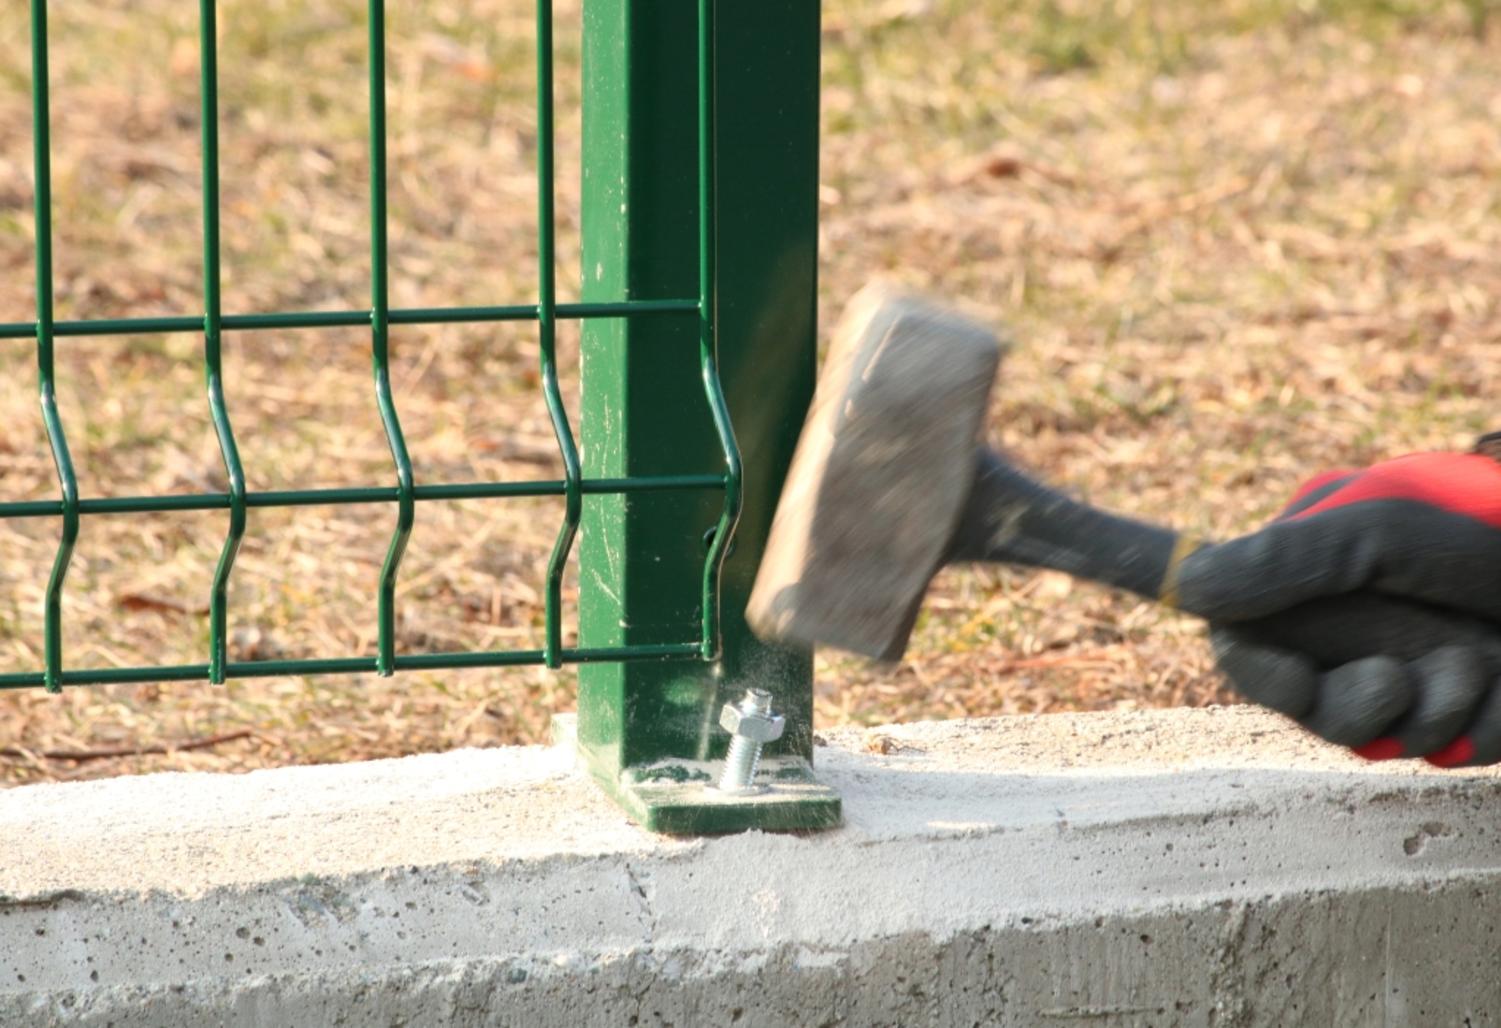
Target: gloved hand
{"points": [[1370, 609], [1387, 677]]}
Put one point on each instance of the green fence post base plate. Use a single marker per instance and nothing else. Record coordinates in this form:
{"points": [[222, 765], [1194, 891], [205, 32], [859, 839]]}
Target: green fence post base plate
{"points": [[678, 797]]}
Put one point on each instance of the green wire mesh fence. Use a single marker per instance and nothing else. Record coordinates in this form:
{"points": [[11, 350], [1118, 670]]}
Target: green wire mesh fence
{"points": [[404, 496]]}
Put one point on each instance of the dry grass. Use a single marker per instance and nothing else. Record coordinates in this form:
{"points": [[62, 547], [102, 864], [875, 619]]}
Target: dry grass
{"points": [[1238, 242]]}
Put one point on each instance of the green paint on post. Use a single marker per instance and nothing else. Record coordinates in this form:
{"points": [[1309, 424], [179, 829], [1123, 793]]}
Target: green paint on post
{"points": [[646, 571]]}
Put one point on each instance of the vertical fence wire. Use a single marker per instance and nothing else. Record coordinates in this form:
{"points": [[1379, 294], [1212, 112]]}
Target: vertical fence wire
{"points": [[46, 372], [547, 339], [380, 342], [707, 349], [213, 329]]}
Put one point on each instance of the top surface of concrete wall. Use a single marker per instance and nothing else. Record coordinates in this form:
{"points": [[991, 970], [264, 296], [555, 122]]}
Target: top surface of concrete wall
{"points": [[185, 833]]}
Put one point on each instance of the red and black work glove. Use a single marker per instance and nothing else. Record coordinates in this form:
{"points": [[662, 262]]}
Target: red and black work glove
{"points": [[1370, 609]]}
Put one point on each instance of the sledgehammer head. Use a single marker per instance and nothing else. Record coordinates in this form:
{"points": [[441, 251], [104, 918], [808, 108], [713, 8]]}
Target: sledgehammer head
{"points": [[882, 470]]}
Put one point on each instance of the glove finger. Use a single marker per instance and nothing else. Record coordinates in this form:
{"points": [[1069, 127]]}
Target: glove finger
{"points": [[1360, 701], [1351, 705], [1480, 745], [1337, 630], [1451, 683], [1284, 680]]}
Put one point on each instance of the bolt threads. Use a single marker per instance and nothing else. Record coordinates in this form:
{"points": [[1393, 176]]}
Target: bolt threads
{"points": [[740, 765], [751, 724]]}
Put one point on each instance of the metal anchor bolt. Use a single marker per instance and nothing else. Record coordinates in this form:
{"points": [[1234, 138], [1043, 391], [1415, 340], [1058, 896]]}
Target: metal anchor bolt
{"points": [[752, 725]]}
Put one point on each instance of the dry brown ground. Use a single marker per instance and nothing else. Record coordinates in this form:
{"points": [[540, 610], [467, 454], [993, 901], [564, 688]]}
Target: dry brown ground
{"points": [[1238, 242]]}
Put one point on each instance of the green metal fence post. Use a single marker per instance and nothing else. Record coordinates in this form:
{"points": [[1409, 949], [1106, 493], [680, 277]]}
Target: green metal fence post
{"points": [[648, 730]]}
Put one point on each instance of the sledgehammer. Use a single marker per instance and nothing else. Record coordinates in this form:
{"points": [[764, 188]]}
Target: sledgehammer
{"points": [[890, 482]]}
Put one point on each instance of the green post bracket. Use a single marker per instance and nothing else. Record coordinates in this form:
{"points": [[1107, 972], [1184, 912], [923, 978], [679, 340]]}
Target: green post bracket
{"points": [[649, 731]]}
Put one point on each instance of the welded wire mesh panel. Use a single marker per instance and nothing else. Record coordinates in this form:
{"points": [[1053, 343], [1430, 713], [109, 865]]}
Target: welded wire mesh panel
{"points": [[407, 492]]}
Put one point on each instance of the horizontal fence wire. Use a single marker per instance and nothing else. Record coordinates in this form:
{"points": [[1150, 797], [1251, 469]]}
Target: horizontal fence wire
{"points": [[360, 494], [546, 312], [348, 319], [355, 665]]}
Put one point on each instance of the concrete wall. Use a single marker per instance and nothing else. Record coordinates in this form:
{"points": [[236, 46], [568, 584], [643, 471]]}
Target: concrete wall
{"points": [[1165, 868]]}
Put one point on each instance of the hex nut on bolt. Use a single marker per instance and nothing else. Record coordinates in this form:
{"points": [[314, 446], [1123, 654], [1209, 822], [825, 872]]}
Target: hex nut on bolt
{"points": [[753, 724]]}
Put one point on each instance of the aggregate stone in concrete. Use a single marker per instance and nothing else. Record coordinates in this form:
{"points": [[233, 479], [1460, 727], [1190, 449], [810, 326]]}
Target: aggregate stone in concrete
{"points": [[1197, 868]]}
